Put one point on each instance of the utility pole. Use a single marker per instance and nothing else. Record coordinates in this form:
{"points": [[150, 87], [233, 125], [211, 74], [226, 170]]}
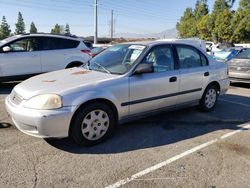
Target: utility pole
{"points": [[112, 25], [95, 23]]}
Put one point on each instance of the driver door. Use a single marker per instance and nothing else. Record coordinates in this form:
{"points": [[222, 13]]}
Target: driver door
{"points": [[22, 59], [153, 91]]}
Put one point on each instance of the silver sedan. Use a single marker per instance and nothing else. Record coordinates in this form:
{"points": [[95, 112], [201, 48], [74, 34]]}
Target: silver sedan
{"points": [[123, 83]]}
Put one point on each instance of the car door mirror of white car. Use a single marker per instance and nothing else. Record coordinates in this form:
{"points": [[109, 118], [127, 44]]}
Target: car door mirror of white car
{"points": [[6, 49], [144, 68]]}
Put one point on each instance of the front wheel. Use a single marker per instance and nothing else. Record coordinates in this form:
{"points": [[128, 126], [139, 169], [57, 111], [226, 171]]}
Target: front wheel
{"points": [[209, 98], [92, 124]]}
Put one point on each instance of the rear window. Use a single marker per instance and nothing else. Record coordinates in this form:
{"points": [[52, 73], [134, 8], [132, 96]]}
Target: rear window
{"points": [[50, 43], [244, 54]]}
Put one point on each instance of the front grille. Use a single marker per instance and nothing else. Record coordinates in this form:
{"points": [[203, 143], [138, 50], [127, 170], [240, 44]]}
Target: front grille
{"points": [[15, 98]]}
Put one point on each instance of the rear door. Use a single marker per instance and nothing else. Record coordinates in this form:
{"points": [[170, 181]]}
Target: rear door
{"points": [[153, 91], [23, 59], [194, 73], [55, 52]]}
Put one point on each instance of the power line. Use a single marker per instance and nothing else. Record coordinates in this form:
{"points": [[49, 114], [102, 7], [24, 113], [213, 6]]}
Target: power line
{"points": [[95, 23], [156, 8], [65, 10]]}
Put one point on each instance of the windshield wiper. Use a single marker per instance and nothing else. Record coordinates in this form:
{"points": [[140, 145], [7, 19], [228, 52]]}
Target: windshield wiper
{"points": [[99, 65]]}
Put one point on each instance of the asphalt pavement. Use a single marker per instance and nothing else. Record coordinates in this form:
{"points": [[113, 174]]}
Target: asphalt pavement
{"points": [[183, 148]]}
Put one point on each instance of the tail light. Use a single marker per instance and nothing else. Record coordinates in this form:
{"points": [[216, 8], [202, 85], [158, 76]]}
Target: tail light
{"points": [[88, 52]]}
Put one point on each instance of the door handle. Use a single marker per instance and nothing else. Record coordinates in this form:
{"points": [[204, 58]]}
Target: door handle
{"points": [[34, 55], [173, 79], [206, 74]]}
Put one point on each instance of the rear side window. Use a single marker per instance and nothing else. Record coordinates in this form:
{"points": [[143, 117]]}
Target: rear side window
{"points": [[50, 43], [190, 57]]}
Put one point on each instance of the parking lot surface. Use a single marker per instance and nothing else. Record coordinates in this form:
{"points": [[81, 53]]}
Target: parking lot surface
{"points": [[184, 148]]}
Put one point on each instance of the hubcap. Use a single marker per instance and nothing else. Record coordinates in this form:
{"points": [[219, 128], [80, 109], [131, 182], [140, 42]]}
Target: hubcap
{"points": [[211, 97], [95, 124]]}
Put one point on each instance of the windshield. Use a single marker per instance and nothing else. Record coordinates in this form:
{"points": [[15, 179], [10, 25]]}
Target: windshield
{"points": [[117, 59], [4, 41], [244, 54]]}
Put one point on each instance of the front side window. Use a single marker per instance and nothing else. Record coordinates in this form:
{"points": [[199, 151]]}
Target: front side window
{"points": [[24, 45], [161, 58], [117, 59], [190, 57]]}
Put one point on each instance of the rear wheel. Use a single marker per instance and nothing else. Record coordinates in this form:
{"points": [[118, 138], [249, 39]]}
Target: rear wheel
{"points": [[209, 98], [92, 124]]}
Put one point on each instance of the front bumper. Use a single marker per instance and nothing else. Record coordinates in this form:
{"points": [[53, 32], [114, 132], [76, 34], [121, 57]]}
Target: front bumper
{"points": [[40, 123]]}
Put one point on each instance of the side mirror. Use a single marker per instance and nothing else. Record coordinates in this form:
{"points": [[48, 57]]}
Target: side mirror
{"points": [[6, 49], [144, 68]]}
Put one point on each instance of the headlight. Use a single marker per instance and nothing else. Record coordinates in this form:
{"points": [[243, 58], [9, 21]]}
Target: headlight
{"points": [[44, 102]]}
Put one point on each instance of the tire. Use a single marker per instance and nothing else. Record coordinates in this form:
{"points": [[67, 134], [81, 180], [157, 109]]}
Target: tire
{"points": [[92, 124], [209, 98]]}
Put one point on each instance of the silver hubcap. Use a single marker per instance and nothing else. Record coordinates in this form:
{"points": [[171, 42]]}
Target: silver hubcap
{"points": [[95, 124], [211, 96]]}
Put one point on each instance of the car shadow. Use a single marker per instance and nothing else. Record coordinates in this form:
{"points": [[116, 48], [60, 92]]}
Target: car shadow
{"points": [[6, 87], [241, 85], [165, 128]]}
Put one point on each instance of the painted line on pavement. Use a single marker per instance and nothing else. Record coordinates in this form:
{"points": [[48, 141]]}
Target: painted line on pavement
{"points": [[175, 158]]}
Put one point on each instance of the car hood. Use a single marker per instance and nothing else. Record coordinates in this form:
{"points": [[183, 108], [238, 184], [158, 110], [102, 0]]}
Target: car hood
{"points": [[60, 81]]}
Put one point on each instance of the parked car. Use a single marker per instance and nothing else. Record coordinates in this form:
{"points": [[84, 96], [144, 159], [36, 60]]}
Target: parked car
{"points": [[209, 46], [22, 56], [97, 50], [239, 67], [219, 47], [88, 44], [227, 54], [125, 82]]}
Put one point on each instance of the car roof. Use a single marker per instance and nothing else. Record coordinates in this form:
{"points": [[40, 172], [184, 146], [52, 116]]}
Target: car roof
{"points": [[72, 37], [154, 43]]}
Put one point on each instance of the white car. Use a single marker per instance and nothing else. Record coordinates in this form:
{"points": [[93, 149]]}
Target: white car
{"points": [[26, 55], [124, 82]]}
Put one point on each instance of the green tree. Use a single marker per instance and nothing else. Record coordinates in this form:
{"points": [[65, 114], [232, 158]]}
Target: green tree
{"points": [[204, 28], [187, 25], [56, 29], [33, 28], [220, 5], [20, 25], [217, 16], [241, 23], [201, 9], [67, 29], [230, 3], [4, 29], [223, 29]]}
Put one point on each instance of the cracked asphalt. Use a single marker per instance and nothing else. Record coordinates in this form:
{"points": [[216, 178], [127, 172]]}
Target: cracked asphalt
{"points": [[26, 161]]}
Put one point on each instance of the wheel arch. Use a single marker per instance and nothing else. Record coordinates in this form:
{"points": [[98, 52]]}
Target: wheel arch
{"points": [[97, 100], [74, 64], [216, 84]]}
